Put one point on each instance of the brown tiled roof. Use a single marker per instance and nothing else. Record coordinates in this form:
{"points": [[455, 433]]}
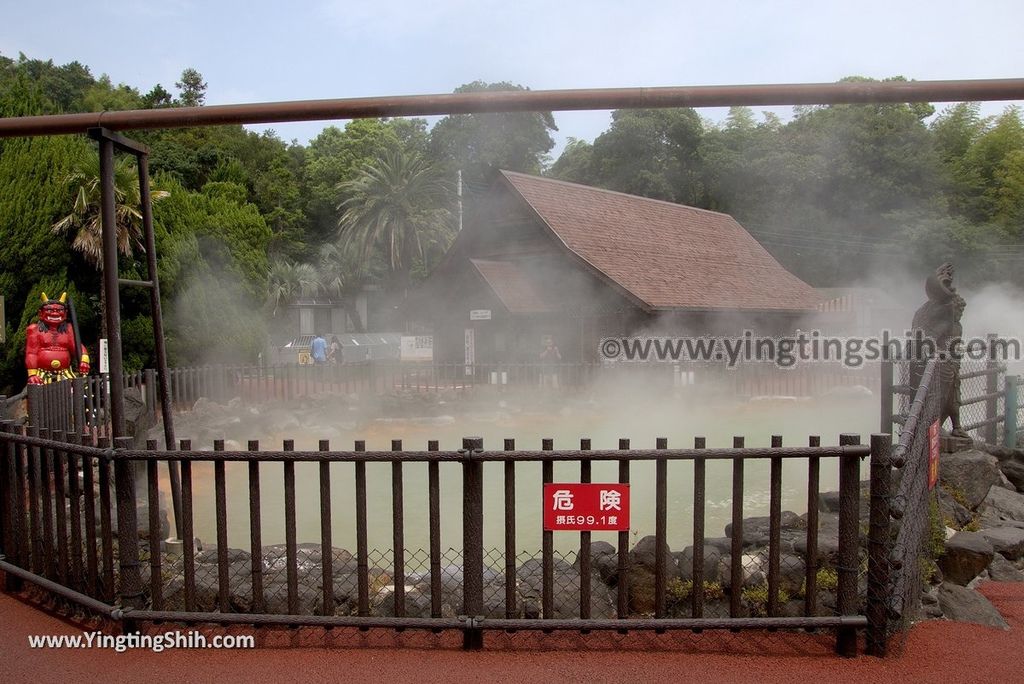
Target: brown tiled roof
{"points": [[515, 288], [669, 256]]}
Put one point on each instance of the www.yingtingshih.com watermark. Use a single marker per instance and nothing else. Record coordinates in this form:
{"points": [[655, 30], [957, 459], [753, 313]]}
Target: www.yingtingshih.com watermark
{"points": [[157, 643], [809, 347]]}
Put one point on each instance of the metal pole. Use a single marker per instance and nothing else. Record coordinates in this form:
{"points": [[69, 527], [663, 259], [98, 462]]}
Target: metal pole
{"points": [[991, 431], [166, 410], [112, 314], [124, 471], [879, 537], [472, 543], [849, 526], [885, 394], [1010, 404], [524, 101]]}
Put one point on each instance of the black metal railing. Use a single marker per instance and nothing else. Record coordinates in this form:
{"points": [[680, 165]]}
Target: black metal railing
{"points": [[59, 515]]}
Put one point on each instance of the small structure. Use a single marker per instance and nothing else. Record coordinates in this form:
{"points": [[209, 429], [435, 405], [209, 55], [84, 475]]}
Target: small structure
{"points": [[542, 258]]}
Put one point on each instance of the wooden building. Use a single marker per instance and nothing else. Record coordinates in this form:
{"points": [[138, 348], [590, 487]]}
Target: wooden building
{"points": [[542, 258]]}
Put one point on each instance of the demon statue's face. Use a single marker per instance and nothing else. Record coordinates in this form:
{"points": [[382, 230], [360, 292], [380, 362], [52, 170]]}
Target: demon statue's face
{"points": [[53, 313]]}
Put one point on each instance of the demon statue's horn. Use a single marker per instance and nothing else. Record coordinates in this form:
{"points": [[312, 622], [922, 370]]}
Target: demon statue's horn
{"points": [[44, 297], [63, 297]]}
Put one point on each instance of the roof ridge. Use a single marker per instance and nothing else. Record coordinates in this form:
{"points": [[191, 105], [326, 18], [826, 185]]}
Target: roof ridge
{"points": [[581, 186]]}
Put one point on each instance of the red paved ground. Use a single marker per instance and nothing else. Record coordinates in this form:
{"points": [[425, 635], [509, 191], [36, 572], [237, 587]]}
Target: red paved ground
{"points": [[934, 652]]}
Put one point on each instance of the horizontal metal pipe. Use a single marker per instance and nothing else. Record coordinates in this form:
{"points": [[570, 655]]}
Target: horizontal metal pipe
{"points": [[852, 621], [127, 282], [996, 370], [88, 602], [980, 398], [983, 423], [309, 620], [459, 457], [523, 100]]}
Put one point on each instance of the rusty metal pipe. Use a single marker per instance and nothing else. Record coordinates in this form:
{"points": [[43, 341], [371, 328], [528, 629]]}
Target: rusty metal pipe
{"points": [[522, 101]]}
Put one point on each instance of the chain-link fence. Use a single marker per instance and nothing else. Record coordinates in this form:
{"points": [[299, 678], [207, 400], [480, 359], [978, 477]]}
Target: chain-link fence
{"points": [[913, 506]]}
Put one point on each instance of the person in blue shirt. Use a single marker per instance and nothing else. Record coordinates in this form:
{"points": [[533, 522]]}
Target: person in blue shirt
{"points": [[318, 349]]}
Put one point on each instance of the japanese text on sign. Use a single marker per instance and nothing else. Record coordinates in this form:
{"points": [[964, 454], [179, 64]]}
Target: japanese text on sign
{"points": [[586, 506]]}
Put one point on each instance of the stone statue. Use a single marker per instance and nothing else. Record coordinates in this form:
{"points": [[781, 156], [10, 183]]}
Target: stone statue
{"points": [[938, 320]]}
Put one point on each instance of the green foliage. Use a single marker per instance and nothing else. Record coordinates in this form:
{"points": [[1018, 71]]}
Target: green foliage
{"points": [[678, 591], [756, 599], [480, 143], [827, 579], [935, 542]]}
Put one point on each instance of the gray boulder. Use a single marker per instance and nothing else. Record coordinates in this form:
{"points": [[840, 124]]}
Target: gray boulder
{"points": [[966, 555], [1002, 570], [971, 473], [952, 511], [712, 557], [1003, 504], [756, 531], [1014, 472], [1008, 541], [965, 605]]}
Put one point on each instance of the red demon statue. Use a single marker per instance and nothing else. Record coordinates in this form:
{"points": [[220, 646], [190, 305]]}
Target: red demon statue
{"points": [[51, 353]]}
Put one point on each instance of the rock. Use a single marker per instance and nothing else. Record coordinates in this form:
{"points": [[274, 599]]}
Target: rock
{"points": [[966, 605], [930, 603], [756, 531], [1014, 472], [723, 544], [712, 557], [642, 567], [604, 562], [828, 538], [755, 570], [1008, 541], [1002, 570], [966, 555], [952, 511], [950, 445], [969, 473], [137, 417], [209, 556], [1004, 504]]}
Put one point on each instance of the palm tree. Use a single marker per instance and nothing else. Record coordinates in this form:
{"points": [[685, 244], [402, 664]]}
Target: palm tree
{"points": [[85, 216], [288, 281], [342, 275], [83, 181], [394, 203]]}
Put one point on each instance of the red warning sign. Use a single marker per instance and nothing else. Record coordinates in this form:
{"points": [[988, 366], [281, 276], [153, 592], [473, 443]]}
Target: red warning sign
{"points": [[586, 506]]}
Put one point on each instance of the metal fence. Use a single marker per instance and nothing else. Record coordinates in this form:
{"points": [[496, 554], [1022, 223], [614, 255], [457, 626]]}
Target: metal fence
{"points": [[71, 523], [911, 510], [990, 407]]}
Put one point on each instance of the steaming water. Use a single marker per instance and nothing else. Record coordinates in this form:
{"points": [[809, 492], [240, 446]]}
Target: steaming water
{"points": [[642, 422]]}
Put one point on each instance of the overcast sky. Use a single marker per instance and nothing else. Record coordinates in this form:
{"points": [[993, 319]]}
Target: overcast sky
{"points": [[262, 51]]}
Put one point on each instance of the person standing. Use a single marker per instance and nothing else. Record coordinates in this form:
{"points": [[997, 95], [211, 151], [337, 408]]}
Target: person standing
{"points": [[318, 349], [549, 359], [334, 353]]}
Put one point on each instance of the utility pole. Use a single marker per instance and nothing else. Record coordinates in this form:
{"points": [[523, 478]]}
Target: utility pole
{"points": [[459, 191]]}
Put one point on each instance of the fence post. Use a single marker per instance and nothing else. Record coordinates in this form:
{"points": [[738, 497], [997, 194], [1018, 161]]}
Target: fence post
{"points": [[472, 544], [885, 393], [129, 588], [1011, 403], [849, 533], [879, 576], [991, 433]]}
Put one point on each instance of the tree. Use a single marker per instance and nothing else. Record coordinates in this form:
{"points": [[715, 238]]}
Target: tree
{"points": [[480, 143], [85, 219], [192, 88], [287, 281], [342, 274], [393, 205], [651, 152]]}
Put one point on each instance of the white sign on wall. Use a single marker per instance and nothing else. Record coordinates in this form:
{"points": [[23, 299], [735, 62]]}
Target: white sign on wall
{"points": [[470, 351], [104, 357], [480, 315]]}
